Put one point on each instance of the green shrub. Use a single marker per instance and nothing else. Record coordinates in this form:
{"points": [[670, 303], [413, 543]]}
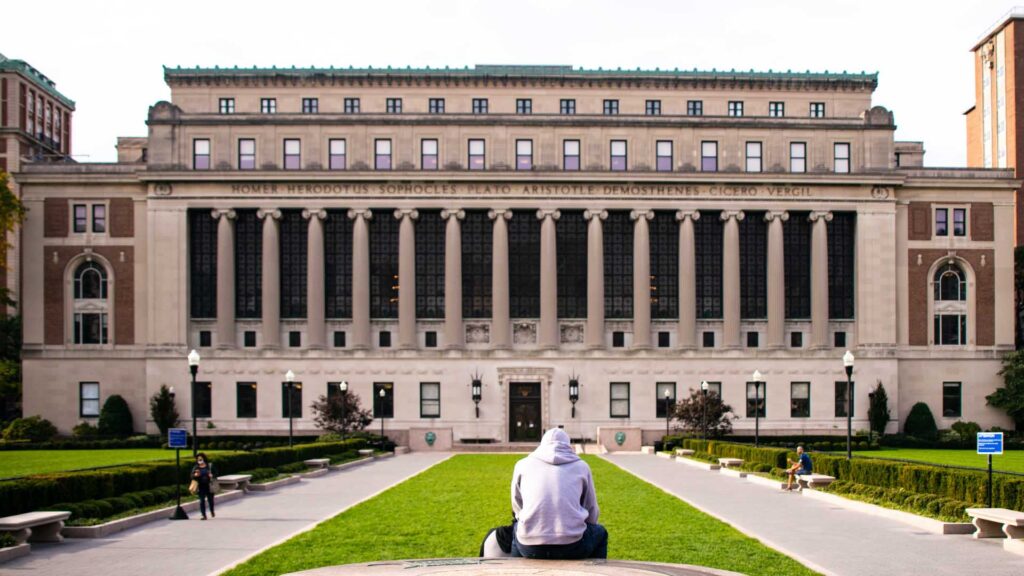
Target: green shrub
{"points": [[330, 437], [7, 540], [935, 506], [966, 430], [292, 468], [85, 430], [116, 418], [33, 429], [920, 422], [261, 473]]}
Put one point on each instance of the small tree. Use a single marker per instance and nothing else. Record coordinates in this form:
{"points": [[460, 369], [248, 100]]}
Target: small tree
{"points": [[341, 414], [700, 410], [33, 429], [920, 422], [1011, 396], [878, 409], [116, 418], [162, 410]]}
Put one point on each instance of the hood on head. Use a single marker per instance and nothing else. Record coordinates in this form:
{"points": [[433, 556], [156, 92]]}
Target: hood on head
{"points": [[555, 448]]}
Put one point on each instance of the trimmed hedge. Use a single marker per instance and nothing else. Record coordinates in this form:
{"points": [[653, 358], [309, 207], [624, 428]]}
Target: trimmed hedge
{"points": [[772, 457], [939, 507], [74, 444]]}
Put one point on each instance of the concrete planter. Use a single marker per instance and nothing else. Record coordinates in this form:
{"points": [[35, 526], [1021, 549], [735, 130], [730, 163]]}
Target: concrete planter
{"points": [[401, 449], [315, 473], [922, 522], [699, 464], [268, 486], [115, 526], [666, 455], [763, 480], [12, 552], [351, 464], [384, 455], [734, 472]]}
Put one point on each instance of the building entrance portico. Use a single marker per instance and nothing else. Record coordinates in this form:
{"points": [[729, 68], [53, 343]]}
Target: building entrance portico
{"points": [[527, 396]]}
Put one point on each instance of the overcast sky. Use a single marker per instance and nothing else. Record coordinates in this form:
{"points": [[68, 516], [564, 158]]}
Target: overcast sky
{"points": [[108, 56]]}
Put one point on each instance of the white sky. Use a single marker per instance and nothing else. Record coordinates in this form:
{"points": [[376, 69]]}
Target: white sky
{"points": [[108, 56]]}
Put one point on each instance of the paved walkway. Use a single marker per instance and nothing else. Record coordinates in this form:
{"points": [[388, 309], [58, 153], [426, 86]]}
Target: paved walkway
{"points": [[827, 538], [242, 528]]}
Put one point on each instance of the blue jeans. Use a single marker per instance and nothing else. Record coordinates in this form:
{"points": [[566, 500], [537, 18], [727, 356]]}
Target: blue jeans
{"points": [[593, 544], [204, 497]]}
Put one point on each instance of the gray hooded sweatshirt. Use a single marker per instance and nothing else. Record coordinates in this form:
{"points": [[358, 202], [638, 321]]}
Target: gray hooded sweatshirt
{"points": [[553, 494]]}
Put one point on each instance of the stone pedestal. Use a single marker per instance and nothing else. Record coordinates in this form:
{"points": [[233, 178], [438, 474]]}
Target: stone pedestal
{"points": [[609, 437], [430, 439]]}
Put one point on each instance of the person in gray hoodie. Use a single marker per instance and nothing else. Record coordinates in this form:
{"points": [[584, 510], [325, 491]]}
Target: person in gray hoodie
{"points": [[554, 504]]}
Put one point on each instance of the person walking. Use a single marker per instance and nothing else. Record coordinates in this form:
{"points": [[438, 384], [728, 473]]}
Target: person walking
{"points": [[205, 482]]}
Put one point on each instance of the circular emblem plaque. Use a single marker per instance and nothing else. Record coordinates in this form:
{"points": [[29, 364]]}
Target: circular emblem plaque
{"points": [[620, 437], [430, 437]]}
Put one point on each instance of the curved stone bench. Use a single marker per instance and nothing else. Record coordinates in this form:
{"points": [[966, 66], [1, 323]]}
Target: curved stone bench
{"points": [[520, 566]]}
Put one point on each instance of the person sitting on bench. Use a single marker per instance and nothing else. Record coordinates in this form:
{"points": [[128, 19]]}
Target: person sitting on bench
{"points": [[801, 466]]}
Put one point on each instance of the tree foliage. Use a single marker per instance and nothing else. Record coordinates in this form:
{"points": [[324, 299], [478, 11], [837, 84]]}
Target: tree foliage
{"points": [[163, 411], [12, 213], [1011, 396], [700, 410], [878, 409], [920, 422], [341, 413], [116, 418]]}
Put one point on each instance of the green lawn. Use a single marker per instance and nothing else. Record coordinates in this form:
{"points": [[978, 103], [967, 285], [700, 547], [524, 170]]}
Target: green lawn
{"points": [[447, 510], [1009, 461], [25, 462]]}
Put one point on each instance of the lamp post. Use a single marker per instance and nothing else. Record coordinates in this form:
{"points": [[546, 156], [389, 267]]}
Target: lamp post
{"points": [[478, 394], [848, 365], [382, 394], [289, 383], [704, 409], [193, 367], [668, 415], [758, 379], [343, 389], [574, 394]]}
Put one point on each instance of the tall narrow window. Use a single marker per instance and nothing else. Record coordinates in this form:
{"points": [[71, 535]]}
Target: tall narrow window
{"points": [[611, 107], [245, 399], [952, 399], [842, 236], [337, 149], [664, 242], [294, 253], [393, 106], [776, 109], [268, 105], [652, 108], [959, 221], [796, 241], [430, 399], [90, 304], [477, 155], [570, 155], [430, 256], [204, 400], [524, 106], [660, 405], [619, 401], [800, 400], [227, 106], [708, 231], [310, 105], [841, 152], [428, 154], [383, 407], [753, 157], [201, 154], [202, 259], [571, 243], [382, 154], [524, 264], [246, 154], [663, 155], [817, 109], [81, 218], [567, 106], [618, 152], [841, 398], [735, 108], [291, 402], [756, 399], [435, 106], [338, 265], [99, 218], [477, 256], [351, 106], [942, 222], [797, 156], [618, 266], [709, 156], [950, 295], [753, 232], [384, 285], [524, 154], [292, 154], [694, 107], [88, 399], [479, 105], [248, 264]]}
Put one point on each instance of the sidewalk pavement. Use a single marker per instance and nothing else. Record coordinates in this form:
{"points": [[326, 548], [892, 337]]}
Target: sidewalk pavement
{"points": [[242, 527], [824, 537]]}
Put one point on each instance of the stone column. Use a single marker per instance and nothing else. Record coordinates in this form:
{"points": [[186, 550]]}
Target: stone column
{"points": [[548, 336], [731, 278], [407, 278], [454, 332], [819, 279], [776, 280], [360, 278], [595, 278], [271, 277], [687, 333], [501, 328], [641, 278], [316, 310], [226, 336]]}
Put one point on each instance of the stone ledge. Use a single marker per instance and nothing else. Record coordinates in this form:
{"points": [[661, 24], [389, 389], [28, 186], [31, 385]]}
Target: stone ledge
{"points": [[12, 552], [115, 526], [351, 464], [315, 472], [922, 522], [699, 464], [519, 566], [268, 486]]}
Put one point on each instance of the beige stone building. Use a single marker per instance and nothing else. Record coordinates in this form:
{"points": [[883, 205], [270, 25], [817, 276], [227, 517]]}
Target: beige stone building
{"points": [[409, 231]]}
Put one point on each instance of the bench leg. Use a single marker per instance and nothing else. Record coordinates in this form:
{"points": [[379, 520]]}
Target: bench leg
{"points": [[987, 528], [48, 532], [21, 536], [1013, 532]]}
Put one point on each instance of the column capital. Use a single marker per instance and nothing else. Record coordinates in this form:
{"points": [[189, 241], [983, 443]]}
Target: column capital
{"points": [[781, 215], [726, 215], [229, 213], [314, 212], [693, 215], [364, 213], [823, 214], [274, 213], [505, 213], [638, 214], [401, 213], [600, 214], [458, 213], [543, 213]]}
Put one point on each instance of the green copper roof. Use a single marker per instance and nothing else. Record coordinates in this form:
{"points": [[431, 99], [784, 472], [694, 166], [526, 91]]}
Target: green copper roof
{"points": [[6, 64], [529, 71]]}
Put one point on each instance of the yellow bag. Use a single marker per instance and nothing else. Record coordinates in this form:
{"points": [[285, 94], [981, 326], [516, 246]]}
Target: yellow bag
{"points": [[193, 488]]}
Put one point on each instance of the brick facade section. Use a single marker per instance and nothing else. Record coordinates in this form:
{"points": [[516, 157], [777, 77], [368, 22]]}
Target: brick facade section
{"points": [[982, 224], [920, 221], [56, 218], [55, 287], [984, 293], [122, 218]]}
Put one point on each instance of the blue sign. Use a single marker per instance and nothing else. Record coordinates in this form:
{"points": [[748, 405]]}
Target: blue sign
{"points": [[177, 438], [990, 442]]}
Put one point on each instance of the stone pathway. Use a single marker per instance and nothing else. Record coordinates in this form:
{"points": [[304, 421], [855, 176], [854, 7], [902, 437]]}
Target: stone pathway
{"points": [[829, 539], [242, 527]]}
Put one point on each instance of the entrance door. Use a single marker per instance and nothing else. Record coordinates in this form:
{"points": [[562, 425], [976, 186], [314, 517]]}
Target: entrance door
{"points": [[524, 412]]}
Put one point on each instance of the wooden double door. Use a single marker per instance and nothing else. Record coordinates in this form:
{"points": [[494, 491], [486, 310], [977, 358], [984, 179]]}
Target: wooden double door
{"points": [[524, 412]]}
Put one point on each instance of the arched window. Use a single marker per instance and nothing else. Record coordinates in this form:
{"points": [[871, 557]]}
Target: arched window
{"points": [[90, 282], [950, 305], [90, 306], [950, 283]]}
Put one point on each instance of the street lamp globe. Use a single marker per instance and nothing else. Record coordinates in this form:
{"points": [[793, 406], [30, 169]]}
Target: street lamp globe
{"points": [[289, 377], [193, 358], [848, 362], [757, 377], [382, 393], [704, 385], [343, 386]]}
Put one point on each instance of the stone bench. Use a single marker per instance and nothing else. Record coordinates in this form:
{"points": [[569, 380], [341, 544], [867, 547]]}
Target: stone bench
{"points": [[318, 462], [234, 481], [730, 462], [35, 526], [366, 452], [684, 452], [997, 523], [814, 480]]}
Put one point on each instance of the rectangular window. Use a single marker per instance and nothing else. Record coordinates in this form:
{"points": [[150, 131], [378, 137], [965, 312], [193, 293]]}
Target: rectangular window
{"points": [[333, 390], [950, 329], [245, 400], [89, 399], [339, 338], [841, 157], [382, 154], [479, 105], [393, 106], [796, 339], [294, 339], [776, 109], [708, 339], [338, 151], [477, 155], [310, 105], [201, 154], [709, 156], [735, 108], [383, 407], [618, 152], [753, 157], [428, 154], [384, 338], [294, 401], [90, 328], [715, 388], [817, 109], [204, 400], [694, 107], [430, 399], [435, 105], [430, 339], [659, 390], [618, 339], [567, 106], [249, 338], [351, 106], [753, 339], [652, 108], [664, 340], [571, 155], [951, 399], [800, 400], [755, 399], [246, 154], [839, 339], [524, 106], [99, 218], [619, 403], [81, 218], [524, 154], [292, 154], [797, 156], [841, 398], [227, 106], [611, 107], [268, 105], [205, 338], [942, 222], [663, 155], [959, 221]]}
